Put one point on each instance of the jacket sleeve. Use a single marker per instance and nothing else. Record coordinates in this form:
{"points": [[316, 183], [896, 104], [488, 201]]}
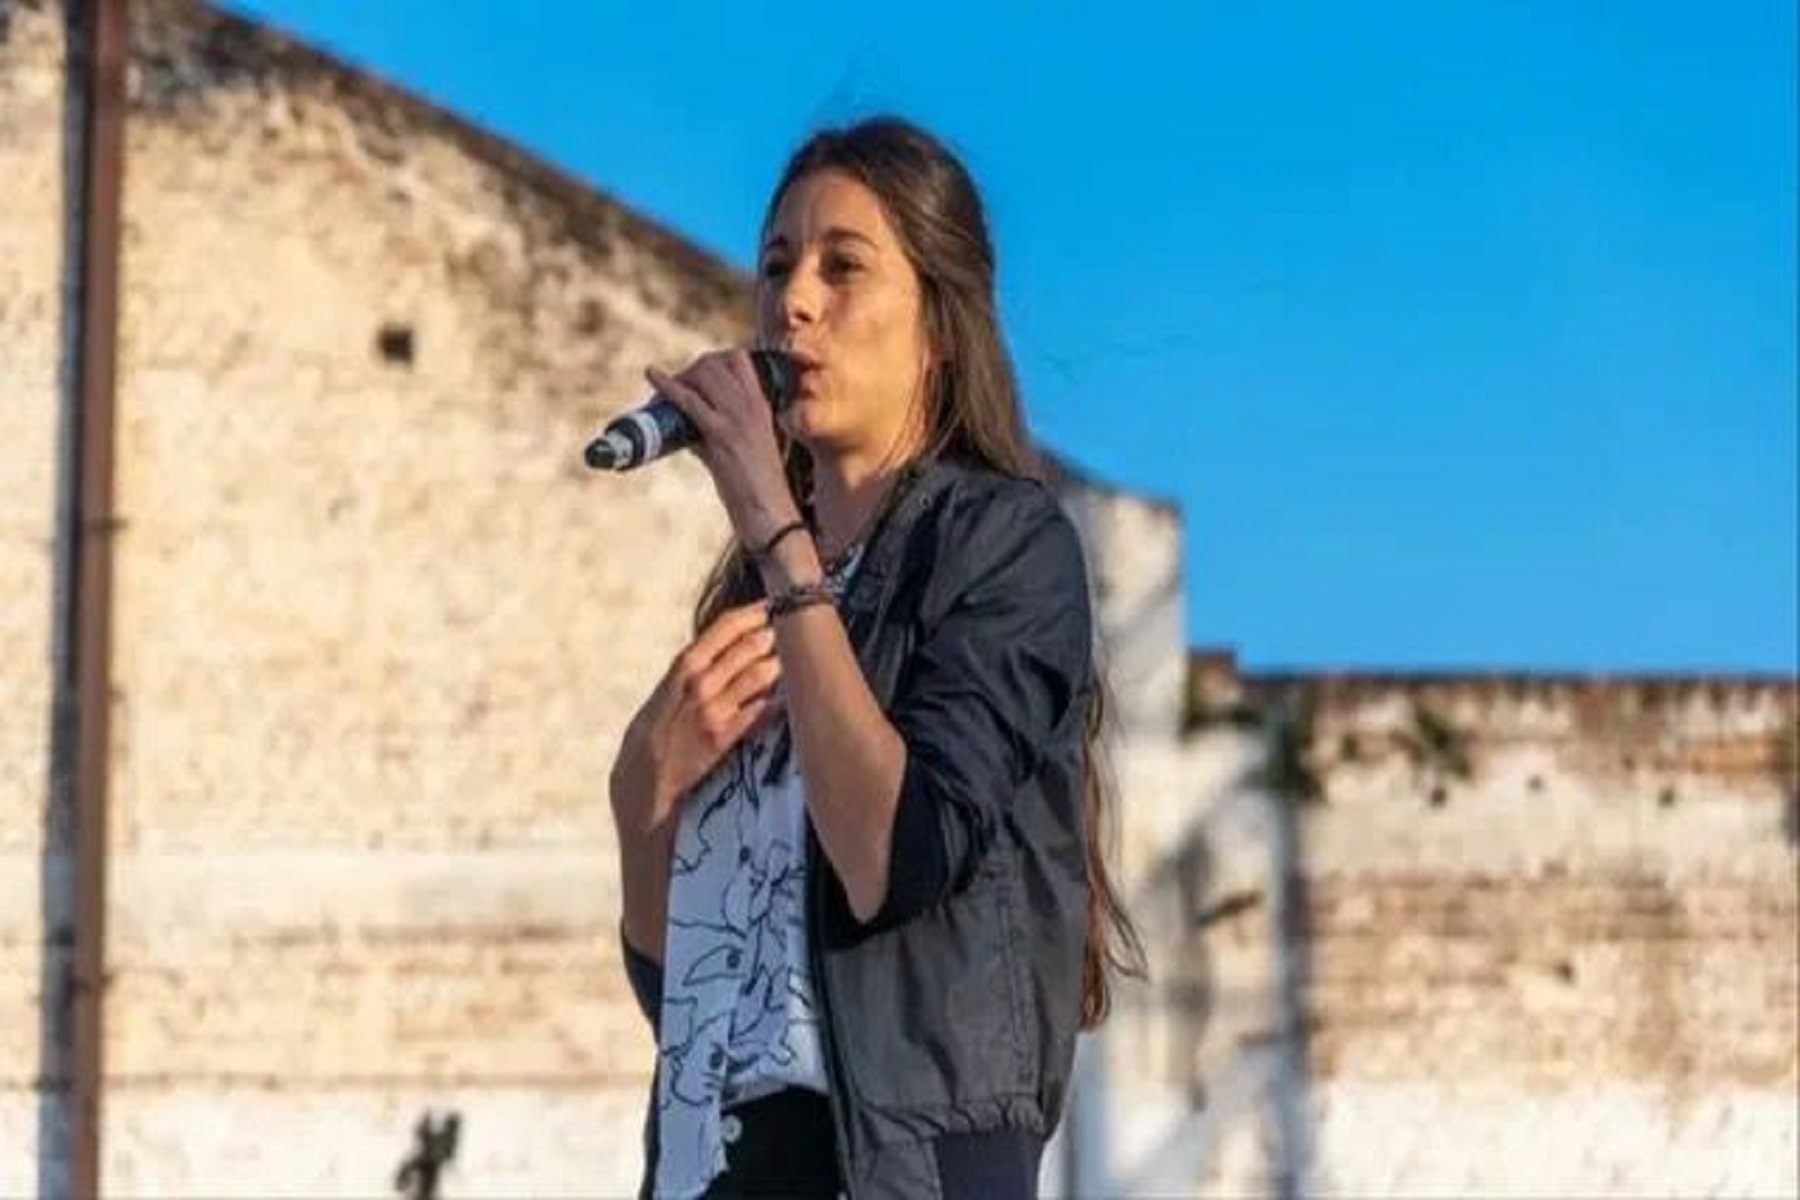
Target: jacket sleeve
{"points": [[985, 690]]}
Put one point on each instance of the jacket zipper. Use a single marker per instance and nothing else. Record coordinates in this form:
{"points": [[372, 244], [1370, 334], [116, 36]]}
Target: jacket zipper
{"points": [[839, 1099], [838, 1075]]}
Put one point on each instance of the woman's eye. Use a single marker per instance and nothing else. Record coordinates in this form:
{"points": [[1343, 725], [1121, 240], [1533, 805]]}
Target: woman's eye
{"points": [[774, 269], [842, 266]]}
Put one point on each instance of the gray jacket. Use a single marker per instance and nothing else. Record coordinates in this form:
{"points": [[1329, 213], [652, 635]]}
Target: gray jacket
{"points": [[950, 1017]]}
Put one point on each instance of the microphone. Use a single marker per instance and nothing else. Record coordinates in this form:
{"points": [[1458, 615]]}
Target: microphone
{"points": [[657, 427]]}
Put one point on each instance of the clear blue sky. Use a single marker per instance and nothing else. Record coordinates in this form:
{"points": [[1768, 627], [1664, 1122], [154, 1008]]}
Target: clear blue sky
{"points": [[1464, 334]]}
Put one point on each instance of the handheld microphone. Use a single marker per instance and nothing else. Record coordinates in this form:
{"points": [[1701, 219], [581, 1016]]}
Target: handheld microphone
{"points": [[657, 428]]}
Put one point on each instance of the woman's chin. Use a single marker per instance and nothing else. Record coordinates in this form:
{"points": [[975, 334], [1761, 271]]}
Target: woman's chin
{"points": [[802, 424]]}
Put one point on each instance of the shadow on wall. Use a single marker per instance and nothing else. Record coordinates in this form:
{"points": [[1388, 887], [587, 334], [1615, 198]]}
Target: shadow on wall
{"points": [[1236, 1051], [57, 874], [1786, 769]]}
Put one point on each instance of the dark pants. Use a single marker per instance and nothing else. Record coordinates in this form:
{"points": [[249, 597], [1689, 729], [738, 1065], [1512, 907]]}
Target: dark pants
{"points": [[786, 1146]]}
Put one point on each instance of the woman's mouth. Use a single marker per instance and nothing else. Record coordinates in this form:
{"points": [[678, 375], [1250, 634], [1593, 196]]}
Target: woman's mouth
{"points": [[806, 374]]}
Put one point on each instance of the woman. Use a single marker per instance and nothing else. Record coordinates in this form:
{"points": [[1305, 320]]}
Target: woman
{"points": [[864, 904]]}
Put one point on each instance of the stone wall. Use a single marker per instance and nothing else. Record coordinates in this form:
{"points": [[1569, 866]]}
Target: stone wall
{"points": [[1569, 908], [1510, 934], [377, 630]]}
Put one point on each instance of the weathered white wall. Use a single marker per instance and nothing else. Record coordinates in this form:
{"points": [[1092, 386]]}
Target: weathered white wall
{"points": [[31, 332], [378, 632], [1524, 936]]}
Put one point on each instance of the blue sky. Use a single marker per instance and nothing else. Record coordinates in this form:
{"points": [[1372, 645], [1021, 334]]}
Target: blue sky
{"points": [[1463, 334]]}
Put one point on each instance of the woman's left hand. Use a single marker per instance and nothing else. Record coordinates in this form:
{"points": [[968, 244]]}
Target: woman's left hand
{"points": [[720, 393]]}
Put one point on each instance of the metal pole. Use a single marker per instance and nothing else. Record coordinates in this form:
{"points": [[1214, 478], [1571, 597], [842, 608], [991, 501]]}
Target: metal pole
{"points": [[103, 54]]}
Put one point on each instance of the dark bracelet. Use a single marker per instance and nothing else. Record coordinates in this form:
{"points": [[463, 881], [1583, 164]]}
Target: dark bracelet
{"points": [[775, 538], [803, 595]]}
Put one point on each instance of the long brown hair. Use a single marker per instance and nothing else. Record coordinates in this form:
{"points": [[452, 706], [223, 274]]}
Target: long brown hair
{"points": [[972, 412]]}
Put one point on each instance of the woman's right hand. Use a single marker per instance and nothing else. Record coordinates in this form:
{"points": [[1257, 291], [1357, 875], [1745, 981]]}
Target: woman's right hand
{"points": [[715, 691]]}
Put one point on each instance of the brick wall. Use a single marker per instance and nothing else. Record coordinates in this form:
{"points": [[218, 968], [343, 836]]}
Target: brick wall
{"points": [[1517, 935]]}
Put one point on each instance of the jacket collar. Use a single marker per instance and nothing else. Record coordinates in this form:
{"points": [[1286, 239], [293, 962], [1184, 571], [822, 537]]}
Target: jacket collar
{"points": [[882, 558]]}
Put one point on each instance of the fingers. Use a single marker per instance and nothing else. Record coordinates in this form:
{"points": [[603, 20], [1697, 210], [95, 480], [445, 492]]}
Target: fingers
{"points": [[726, 679], [737, 704], [747, 656], [754, 683], [725, 629], [683, 395], [739, 448], [728, 726], [716, 389], [738, 364]]}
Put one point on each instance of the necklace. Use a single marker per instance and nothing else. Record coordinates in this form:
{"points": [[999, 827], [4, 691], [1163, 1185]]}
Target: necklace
{"points": [[837, 564]]}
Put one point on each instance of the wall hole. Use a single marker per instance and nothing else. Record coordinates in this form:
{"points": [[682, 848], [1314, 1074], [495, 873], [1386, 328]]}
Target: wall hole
{"points": [[395, 344]]}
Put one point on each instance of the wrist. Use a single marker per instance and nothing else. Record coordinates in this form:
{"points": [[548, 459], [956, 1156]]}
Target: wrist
{"points": [[800, 596], [761, 552], [792, 561], [759, 530]]}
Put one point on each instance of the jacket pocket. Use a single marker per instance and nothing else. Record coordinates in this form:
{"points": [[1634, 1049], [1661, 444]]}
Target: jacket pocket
{"points": [[930, 1010]]}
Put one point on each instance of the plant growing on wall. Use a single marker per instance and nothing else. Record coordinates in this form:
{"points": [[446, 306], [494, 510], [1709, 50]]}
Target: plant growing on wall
{"points": [[1291, 768], [1438, 750]]}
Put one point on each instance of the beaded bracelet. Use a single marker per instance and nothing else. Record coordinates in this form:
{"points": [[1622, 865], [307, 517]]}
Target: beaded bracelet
{"points": [[800, 596], [774, 539]]}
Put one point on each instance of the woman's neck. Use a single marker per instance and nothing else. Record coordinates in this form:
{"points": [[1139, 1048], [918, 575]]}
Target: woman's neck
{"points": [[848, 496]]}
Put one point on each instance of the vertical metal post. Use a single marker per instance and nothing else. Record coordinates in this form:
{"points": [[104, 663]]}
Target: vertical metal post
{"points": [[101, 55]]}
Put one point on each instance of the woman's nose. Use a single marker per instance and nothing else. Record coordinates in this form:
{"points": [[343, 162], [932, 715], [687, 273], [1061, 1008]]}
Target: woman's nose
{"points": [[799, 299]]}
